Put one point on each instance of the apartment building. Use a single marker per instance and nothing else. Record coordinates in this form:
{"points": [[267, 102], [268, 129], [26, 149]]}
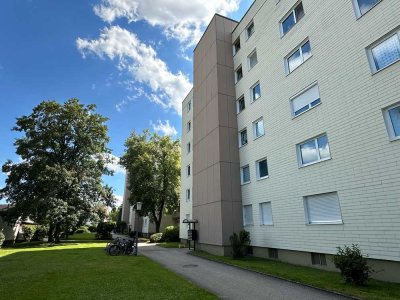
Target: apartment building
{"points": [[296, 111]]}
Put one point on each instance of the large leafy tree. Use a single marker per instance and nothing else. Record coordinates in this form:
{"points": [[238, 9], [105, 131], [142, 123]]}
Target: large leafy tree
{"points": [[63, 150], [153, 169]]}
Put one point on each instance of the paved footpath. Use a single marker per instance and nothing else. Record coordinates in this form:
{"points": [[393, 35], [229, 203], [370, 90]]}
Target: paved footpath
{"points": [[228, 282]]}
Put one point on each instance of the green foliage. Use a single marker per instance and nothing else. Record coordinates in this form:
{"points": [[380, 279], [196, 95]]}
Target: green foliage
{"points": [[171, 234], [64, 154], [28, 232], [153, 165], [40, 233], [2, 238], [92, 228], [82, 229], [352, 264], [103, 231], [240, 244], [157, 237]]}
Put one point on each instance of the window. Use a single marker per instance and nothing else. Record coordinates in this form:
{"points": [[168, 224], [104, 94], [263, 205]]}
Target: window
{"points": [[266, 213], [273, 253], [318, 259], [188, 126], [323, 209], [298, 57], [243, 138], [238, 74], [258, 128], [250, 30], [189, 106], [187, 195], [252, 59], [255, 92], [236, 46], [247, 215], [363, 6], [262, 169], [313, 151], [305, 100], [188, 148], [240, 105], [245, 174], [294, 16], [188, 170], [385, 53], [392, 119]]}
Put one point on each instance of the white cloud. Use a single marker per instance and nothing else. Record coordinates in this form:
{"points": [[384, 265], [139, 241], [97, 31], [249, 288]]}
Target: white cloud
{"points": [[119, 200], [114, 165], [164, 128], [141, 61], [180, 19]]}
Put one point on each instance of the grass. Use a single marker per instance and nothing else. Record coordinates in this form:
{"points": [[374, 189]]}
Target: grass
{"points": [[86, 236], [318, 278], [83, 271], [171, 245]]}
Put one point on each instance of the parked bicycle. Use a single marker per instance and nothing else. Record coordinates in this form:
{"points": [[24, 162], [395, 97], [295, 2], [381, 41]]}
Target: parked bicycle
{"points": [[120, 246]]}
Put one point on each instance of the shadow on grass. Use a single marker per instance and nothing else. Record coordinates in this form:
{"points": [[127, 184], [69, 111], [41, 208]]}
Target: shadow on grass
{"points": [[84, 271]]}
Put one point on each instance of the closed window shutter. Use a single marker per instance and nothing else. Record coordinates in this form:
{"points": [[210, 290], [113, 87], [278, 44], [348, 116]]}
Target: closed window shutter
{"points": [[266, 213], [324, 208], [305, 98]]}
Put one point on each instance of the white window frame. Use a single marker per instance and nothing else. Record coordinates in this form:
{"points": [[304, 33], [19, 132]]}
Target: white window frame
{"points": [[315, 139], [292, 10], [188, 170], [188, 148], [389, 124], [302, 92], [378, 42], [240, 138], [258, 169], [234, 46], [247, 29], [287, 68], [357, 8], [244, 215], [251, 92], [238, 111], [188, 195], [262, 223], [242, 182], [249, 59], [255, 128], [189, 126], [236, 74], [307, 216]]}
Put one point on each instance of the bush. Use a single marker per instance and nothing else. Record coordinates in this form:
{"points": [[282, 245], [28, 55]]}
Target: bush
{"points": [[2, 238], [171, 234], [352, 264], [240, 244], [92, 228], [28, 232], [83, 229], [103, 230], [157, 238], [40, 233]]}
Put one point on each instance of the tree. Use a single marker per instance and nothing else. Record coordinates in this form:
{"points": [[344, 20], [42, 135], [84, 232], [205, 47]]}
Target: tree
{"points": [[153, 169], [64, 154]]}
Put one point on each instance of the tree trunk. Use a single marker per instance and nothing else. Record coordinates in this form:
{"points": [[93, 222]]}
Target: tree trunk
{"points": [[57, 233], [158, 224], [51, 233]]}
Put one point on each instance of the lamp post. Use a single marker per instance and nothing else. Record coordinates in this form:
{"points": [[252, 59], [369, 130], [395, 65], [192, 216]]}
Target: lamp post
{"points": [[138, 208]]}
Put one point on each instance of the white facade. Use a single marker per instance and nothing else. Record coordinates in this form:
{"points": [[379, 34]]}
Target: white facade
{"points": [[351, 192], [186, 164]]}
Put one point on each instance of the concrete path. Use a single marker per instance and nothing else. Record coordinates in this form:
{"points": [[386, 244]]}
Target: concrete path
{"points": [[229, 282]]}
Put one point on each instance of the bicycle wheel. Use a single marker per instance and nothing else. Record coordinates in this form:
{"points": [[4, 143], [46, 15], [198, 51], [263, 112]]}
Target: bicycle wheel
{"points": [[114, 250]]}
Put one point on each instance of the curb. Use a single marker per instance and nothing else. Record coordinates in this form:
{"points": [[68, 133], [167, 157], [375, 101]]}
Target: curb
{"points": [[275, 276]]}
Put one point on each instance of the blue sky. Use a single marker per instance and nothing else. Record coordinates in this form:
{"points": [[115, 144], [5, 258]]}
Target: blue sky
{"points": [[132, 58]]}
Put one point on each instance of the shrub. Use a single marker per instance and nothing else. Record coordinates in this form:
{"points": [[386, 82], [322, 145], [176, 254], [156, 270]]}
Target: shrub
{"points": [[28, 232], [240, 244], [171, 234], [352, 264], [83, 229], [92, 228], [40, 233], [2, 238], [103, 230], [157, 238]]}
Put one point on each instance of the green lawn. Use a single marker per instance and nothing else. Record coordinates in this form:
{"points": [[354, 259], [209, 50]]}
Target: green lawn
{"points": [[314, 277], [82, 236], [84, 271]]}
